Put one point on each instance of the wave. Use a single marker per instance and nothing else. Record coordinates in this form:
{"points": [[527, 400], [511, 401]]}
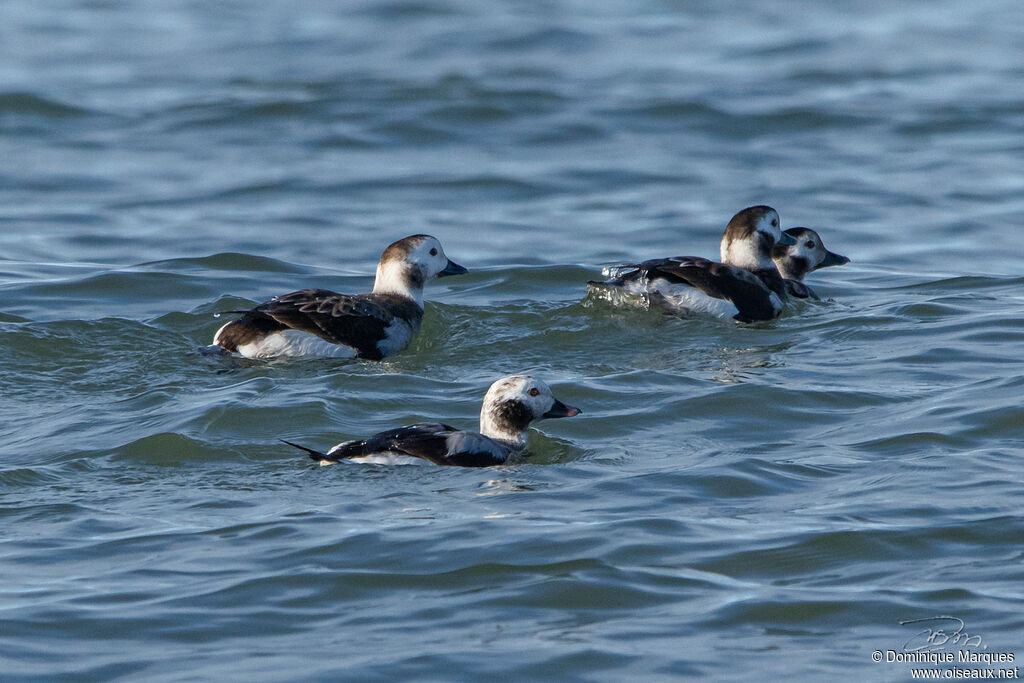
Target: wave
{"points": [[227, 261], [37, 105]]}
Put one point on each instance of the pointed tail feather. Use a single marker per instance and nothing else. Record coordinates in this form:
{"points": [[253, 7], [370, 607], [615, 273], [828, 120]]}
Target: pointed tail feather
{"points": [[616, 275], [315, 455]]}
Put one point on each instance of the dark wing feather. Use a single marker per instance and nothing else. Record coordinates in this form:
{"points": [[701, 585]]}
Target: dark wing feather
{"points": [[745, 290], [699, 273], [471, 449], [358, 321], [799, 290], [431, 441], [424, 440], [773, 281]]}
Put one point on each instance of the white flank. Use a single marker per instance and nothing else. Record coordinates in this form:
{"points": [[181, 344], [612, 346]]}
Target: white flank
{"points": [[387, 459], [396, 336], [685, 299], [292, 343]]}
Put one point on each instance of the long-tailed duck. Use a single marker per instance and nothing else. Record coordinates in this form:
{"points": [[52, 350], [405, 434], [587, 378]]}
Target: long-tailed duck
{"points": [[319, 322], [745, 285], [806, 255], [509, 406]]}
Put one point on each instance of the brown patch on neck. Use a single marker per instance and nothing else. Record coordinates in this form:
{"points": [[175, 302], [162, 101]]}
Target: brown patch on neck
{"points": [[511, 416], [414, 276], [797, 267]]}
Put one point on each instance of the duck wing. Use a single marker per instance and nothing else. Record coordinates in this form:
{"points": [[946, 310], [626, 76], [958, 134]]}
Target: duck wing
{"points": [[752, 298], [356, 320]]}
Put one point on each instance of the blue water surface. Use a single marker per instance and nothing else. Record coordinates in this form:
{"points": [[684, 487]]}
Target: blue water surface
{"points": [[760, 501]]}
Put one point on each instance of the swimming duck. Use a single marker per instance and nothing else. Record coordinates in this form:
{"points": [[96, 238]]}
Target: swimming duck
{"points": [[745, 285], [509, 406], [319, 322], [807, 254]]}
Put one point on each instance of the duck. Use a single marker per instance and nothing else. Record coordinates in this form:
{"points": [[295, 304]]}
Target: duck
{"points": [[509, 406], [805, 255], [745, 284], [319, 322]]}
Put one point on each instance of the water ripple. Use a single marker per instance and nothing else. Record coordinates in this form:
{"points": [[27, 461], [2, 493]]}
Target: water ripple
{"points": [[731, 495]]}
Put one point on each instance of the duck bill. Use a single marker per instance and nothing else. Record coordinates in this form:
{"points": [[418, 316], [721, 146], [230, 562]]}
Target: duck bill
{"points": [[785, 240], [562, 410], [452, 268], [833, 259]]}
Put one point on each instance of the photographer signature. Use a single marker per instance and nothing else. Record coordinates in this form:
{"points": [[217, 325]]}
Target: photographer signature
{"points": [[931, 639]]}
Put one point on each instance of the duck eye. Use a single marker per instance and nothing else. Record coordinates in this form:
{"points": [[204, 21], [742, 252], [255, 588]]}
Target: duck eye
{"points": [[433, 251], [775, 223], [534, 392], [810, 244]]}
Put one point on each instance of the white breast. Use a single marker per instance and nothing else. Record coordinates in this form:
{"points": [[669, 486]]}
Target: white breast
{"points": [[291, 343]]}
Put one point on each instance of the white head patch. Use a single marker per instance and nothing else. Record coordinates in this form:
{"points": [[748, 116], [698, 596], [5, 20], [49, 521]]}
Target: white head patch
{"points": [[511, 404], [796, 260], [406, 265], [749, 246]]}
